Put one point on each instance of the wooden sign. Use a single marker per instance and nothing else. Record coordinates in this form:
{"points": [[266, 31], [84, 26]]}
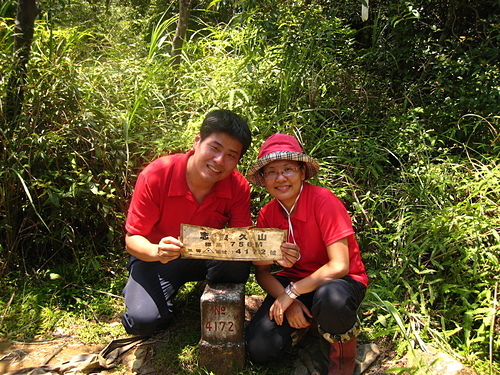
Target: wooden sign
{"points": [[249, 244]]}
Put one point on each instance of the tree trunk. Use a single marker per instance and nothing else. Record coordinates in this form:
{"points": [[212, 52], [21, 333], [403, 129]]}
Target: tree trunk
{"points": [[448, 26], [27, 11], [180, 32]]}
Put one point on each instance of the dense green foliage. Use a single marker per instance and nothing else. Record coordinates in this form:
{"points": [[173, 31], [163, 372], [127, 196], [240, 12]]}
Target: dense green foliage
{"points": [[402, 111]]}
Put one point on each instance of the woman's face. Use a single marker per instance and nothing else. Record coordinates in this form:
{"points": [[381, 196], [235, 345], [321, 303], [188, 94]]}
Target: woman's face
{"points": [[282, 179]]}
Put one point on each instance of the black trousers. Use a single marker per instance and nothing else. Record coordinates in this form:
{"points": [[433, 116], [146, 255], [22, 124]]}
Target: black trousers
{"points": [[152, 286], [334, 306]]}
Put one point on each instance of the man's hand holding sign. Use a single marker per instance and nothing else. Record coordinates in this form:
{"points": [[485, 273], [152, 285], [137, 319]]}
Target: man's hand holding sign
{"points": [[169, 249]]}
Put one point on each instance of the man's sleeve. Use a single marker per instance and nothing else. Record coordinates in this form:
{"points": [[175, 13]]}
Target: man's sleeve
{"points": [[143, 212]]}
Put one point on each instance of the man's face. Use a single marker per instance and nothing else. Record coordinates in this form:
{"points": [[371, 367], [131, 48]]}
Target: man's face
{"points": [[216, 156]]}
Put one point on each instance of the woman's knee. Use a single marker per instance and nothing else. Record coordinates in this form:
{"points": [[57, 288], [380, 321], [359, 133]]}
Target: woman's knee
{"points": [[335, 305], [338, 296], [265, 339], [259, 350]]}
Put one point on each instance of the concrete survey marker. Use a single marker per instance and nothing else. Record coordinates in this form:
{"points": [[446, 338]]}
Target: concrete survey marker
{"points": [[222, 345]]}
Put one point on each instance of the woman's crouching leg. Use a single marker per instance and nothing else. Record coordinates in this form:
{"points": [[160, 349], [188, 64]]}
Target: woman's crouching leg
{"points": [[265, 340], [336, 303]]}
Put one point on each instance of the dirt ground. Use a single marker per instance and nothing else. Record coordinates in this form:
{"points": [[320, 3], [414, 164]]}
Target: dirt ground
{"points": [[22, 358], [55, 356], [15, 356]]}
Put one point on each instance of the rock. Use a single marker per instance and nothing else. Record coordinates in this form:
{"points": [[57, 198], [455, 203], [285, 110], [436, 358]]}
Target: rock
{"points": [[437, 363], [365, 355], [300, 370]]}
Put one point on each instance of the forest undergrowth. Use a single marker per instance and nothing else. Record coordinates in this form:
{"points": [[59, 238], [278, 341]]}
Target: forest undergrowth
{"points": [[401, 112]]}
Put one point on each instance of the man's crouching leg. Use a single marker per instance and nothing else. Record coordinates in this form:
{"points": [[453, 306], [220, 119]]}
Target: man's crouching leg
{"points": [[147, 300]]}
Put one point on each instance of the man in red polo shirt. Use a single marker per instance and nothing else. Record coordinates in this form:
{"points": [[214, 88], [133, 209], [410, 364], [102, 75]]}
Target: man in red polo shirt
{"points": [[201, 187]]}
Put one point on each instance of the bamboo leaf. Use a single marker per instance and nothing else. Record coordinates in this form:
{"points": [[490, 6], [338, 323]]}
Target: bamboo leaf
{"points": [[28, 194]]}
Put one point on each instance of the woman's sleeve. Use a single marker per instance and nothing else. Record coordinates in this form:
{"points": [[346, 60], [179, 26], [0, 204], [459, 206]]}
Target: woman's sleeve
{"points": [[333, 219]]}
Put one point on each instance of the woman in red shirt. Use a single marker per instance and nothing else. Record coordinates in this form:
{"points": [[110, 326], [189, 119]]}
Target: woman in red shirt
{"points": [[328, 281]]}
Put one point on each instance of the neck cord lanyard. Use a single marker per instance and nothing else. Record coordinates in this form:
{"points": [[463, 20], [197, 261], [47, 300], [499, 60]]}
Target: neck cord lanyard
{"points": [[289, 213]]}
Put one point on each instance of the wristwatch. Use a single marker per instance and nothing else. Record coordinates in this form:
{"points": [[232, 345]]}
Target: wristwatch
{"points": [[291, 291]]}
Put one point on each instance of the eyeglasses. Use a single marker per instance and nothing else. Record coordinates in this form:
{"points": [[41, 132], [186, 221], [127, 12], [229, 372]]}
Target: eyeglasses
{"points": [[273, 174]]}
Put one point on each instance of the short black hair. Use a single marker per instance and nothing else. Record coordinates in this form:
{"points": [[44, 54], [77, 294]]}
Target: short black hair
{"points": [[225, 121]]}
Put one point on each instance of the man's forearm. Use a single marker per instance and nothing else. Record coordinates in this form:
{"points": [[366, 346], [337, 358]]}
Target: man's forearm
{"points": [[140, 247]]}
